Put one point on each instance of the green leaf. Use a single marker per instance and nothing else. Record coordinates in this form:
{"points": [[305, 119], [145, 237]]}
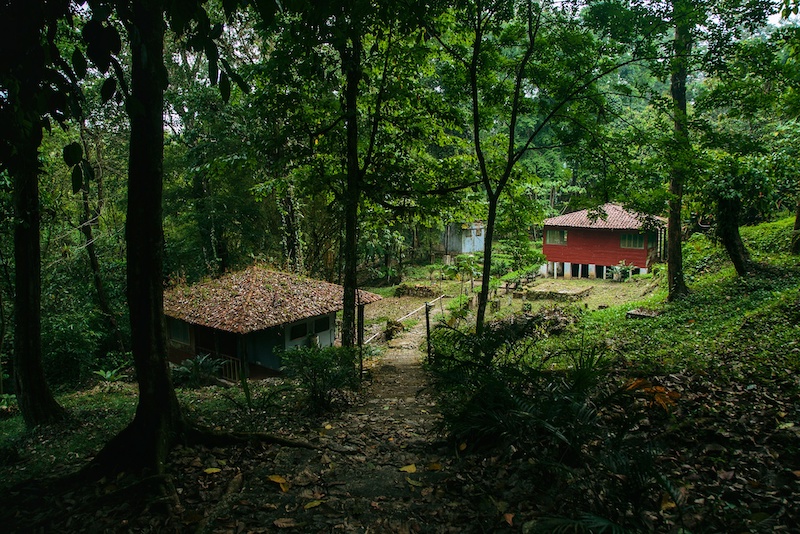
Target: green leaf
{"points": [[212, 53], [233, 75], [108, 89], [213, 71], [112, 39], [224, 87], [77, 179], [79, 63], [73, 153]]}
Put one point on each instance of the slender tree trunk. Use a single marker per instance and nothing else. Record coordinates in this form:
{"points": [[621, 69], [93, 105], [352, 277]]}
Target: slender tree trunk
{"points": [[36, 402], [292, 237], [483, 297], [86, 223], [796, 234], [351, 65], [143, 445], [728, 232], [680, 161], [2, 340]]}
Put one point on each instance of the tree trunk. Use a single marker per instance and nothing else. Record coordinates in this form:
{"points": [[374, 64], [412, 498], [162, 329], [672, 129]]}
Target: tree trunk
{"points": [[292, 237], [351, 65], [796, 234], [22, 110], [679, 163], [36, 402], [728, 232], [483, 297], [86, 223], [143, 445]]}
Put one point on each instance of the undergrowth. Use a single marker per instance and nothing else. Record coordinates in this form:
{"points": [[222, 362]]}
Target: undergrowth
{"points": [[562, 413]]}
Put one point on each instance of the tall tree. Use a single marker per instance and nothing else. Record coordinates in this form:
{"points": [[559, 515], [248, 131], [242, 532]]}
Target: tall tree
{"points": [[30, 91], [529, 73], [693, 35], [158, 422], [356, 60], [683, 14]]}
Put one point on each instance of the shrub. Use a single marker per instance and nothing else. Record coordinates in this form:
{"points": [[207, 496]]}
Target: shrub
{"points": [[769, 238], [322, 373], [8, 405], [111, 375], [202, 370], [562, 411]]}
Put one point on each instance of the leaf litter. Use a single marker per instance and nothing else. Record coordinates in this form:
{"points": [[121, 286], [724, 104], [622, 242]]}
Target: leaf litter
{"points": [[729, 454]]}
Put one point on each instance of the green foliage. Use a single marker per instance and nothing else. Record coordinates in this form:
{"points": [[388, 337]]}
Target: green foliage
{"points": [[459, 306], [522, 252], [737, 327], [202, 370], [769, 238], [702, 255], [564, 411], [322, 373], [500, 390], [8, 405], [111, 375], [622, 271]]}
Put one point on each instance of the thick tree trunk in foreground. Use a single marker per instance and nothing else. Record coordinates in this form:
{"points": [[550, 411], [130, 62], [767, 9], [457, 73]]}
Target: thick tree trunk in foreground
{"points": [[36, 402], [728, 233], [680, 160], [158, 422]]}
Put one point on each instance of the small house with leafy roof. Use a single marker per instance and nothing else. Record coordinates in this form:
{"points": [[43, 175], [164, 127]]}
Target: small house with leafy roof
{"points": [[592, 243], [248, 318]]}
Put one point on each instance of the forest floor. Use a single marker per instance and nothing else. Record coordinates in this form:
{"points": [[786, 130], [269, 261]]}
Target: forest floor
{"points": [[379, 466], [725, 457]]}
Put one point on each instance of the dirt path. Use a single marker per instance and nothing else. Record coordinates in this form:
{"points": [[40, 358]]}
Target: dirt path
{"points": [[380, 467]]}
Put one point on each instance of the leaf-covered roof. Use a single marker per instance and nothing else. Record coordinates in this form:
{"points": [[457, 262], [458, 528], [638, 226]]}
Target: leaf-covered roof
{"points": [[607, 217], [255, 299]]}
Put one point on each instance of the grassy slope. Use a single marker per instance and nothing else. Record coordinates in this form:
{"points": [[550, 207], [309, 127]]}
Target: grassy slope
{"points": [[735, 328]]}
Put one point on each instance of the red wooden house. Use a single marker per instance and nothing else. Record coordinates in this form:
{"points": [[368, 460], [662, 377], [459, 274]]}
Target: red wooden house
{"points": [[590, 243]]}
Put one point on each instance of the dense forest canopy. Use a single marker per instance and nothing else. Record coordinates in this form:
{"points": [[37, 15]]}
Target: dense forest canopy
{"points": [[145, 144]]}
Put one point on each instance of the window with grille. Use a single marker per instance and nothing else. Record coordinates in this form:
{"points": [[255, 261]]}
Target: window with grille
{"points": [[556, 237], [632, 241]]}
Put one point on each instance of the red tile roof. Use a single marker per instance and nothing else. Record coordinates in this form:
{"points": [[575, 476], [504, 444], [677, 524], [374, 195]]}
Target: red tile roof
{"points": [[611, 217], [255, 299]]}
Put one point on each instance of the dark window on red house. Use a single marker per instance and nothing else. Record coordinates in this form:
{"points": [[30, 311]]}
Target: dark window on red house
{"points": [[556, 237], [631, 241]]}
